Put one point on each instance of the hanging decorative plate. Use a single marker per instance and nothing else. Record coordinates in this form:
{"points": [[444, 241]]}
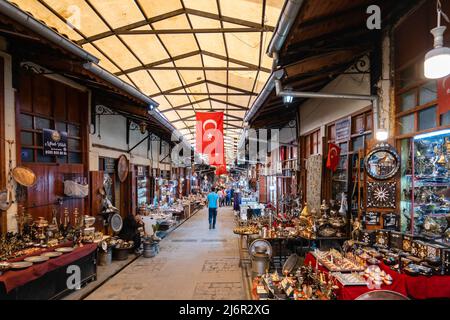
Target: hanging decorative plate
{"points": [[116, 222], [123, 168], [382, 162], [381, 195], [24, 176]]}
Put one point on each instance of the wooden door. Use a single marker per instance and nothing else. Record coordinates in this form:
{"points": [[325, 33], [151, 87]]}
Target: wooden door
{"points": [[2, 143]]}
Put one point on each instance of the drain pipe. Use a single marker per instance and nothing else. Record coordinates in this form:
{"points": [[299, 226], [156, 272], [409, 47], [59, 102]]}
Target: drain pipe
{"points": [[287, 19], [298, 94], [45, 31]]}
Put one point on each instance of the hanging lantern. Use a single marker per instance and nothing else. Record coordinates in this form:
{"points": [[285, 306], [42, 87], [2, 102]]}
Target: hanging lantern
{"points": [[437, 60], [143, 127]]}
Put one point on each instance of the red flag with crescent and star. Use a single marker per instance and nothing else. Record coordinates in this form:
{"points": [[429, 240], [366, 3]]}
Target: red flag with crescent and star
{"points": [[443, 95], [334, 151], [209, 139]]}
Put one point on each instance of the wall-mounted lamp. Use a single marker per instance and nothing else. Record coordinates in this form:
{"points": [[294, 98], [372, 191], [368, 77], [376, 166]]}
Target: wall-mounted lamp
{"points": [[143, 127], [288, 99], [437, 60]]}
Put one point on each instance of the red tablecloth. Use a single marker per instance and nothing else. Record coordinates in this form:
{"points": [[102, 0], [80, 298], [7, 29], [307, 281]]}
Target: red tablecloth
{"points": [[353, 292], [421, 287], [12, 279], [434, 287]]}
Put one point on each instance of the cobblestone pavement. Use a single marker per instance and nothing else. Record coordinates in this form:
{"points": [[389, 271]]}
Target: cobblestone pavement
{"points": [[194, 263]]}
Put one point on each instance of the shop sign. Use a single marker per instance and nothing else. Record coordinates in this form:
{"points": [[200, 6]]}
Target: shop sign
{"points": [[54, 142], [140, 171], [110, 165], [343, 130]]}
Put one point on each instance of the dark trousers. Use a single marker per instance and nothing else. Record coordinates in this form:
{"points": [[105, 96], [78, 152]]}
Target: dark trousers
{"points": [[212, 216]]}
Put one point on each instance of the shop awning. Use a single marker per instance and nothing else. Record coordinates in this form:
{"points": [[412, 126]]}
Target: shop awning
{"points": [[53, 50], [326, 39], [187, 55]]}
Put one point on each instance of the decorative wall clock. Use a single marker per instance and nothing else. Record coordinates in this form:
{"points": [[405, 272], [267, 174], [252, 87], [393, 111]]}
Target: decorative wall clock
{"points": [[381, 195]]}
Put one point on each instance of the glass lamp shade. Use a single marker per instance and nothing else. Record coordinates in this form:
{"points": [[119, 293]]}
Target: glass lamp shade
{"points": [[437, 63], [288, 99], [382, 135]]}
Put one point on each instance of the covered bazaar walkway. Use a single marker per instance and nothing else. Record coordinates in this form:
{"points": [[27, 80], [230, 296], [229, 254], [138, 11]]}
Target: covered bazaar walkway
{"points": [[194, 263]]}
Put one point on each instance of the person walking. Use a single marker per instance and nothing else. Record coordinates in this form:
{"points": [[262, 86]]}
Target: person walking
{"points": [[213, 204], [228, 196], [220, 193]]}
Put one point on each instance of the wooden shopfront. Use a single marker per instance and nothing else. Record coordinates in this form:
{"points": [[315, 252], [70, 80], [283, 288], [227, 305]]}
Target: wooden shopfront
{"points": [[43, 103], [2, 142], [421, 107], [351, 134]]}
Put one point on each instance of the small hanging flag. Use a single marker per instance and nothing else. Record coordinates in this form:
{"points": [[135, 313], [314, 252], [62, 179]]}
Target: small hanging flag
{"points": [[334, 151]]}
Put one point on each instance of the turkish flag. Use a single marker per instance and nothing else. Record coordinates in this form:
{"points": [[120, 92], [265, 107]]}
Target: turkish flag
{"points": [[209, 139], [444, 95], [334, 151]]}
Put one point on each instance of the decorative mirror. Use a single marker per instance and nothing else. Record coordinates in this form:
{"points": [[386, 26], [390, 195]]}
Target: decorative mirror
{"points": [[382, 162]]}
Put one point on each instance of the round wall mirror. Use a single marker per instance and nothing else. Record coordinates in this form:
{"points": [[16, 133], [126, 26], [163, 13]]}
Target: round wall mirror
{"points": [[382, 162]]}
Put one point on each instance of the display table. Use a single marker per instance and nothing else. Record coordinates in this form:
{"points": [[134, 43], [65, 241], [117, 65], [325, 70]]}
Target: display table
{"points": [[47, 280], [420, 287], [353, 292]]}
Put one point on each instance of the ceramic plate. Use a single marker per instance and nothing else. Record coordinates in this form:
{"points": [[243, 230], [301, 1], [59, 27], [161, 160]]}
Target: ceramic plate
{"points": [[36, 259], [21, 265], [52, 254], [64, 249]]}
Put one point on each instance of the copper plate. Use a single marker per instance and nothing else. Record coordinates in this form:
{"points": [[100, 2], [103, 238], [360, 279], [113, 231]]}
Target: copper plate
{"points": [[64, 249], [21, 265], [122, 168], [24, 176], [52, 254], [36, 259]]}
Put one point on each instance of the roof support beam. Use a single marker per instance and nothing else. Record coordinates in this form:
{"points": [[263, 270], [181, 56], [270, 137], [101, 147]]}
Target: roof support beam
{"points": [[230, 104], [187, 31], [171, 14], [151, 66], [212, 94], [131, 26], [242, 63], [156, 63], [173, 91], [186, 105]]}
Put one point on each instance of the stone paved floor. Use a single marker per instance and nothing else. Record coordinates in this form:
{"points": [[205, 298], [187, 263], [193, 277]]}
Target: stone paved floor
{"points": [[194, 263]]}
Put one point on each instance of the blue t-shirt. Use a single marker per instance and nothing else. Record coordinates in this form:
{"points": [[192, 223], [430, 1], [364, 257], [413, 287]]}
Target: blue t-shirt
{"points": [[212, 200]]}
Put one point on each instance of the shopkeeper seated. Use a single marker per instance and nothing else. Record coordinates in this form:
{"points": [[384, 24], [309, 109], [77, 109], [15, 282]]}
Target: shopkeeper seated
{"points": [[131, 230]]}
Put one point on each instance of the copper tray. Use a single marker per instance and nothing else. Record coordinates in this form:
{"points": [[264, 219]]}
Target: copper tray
{"points": [[24, 176], [123, 168]]}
